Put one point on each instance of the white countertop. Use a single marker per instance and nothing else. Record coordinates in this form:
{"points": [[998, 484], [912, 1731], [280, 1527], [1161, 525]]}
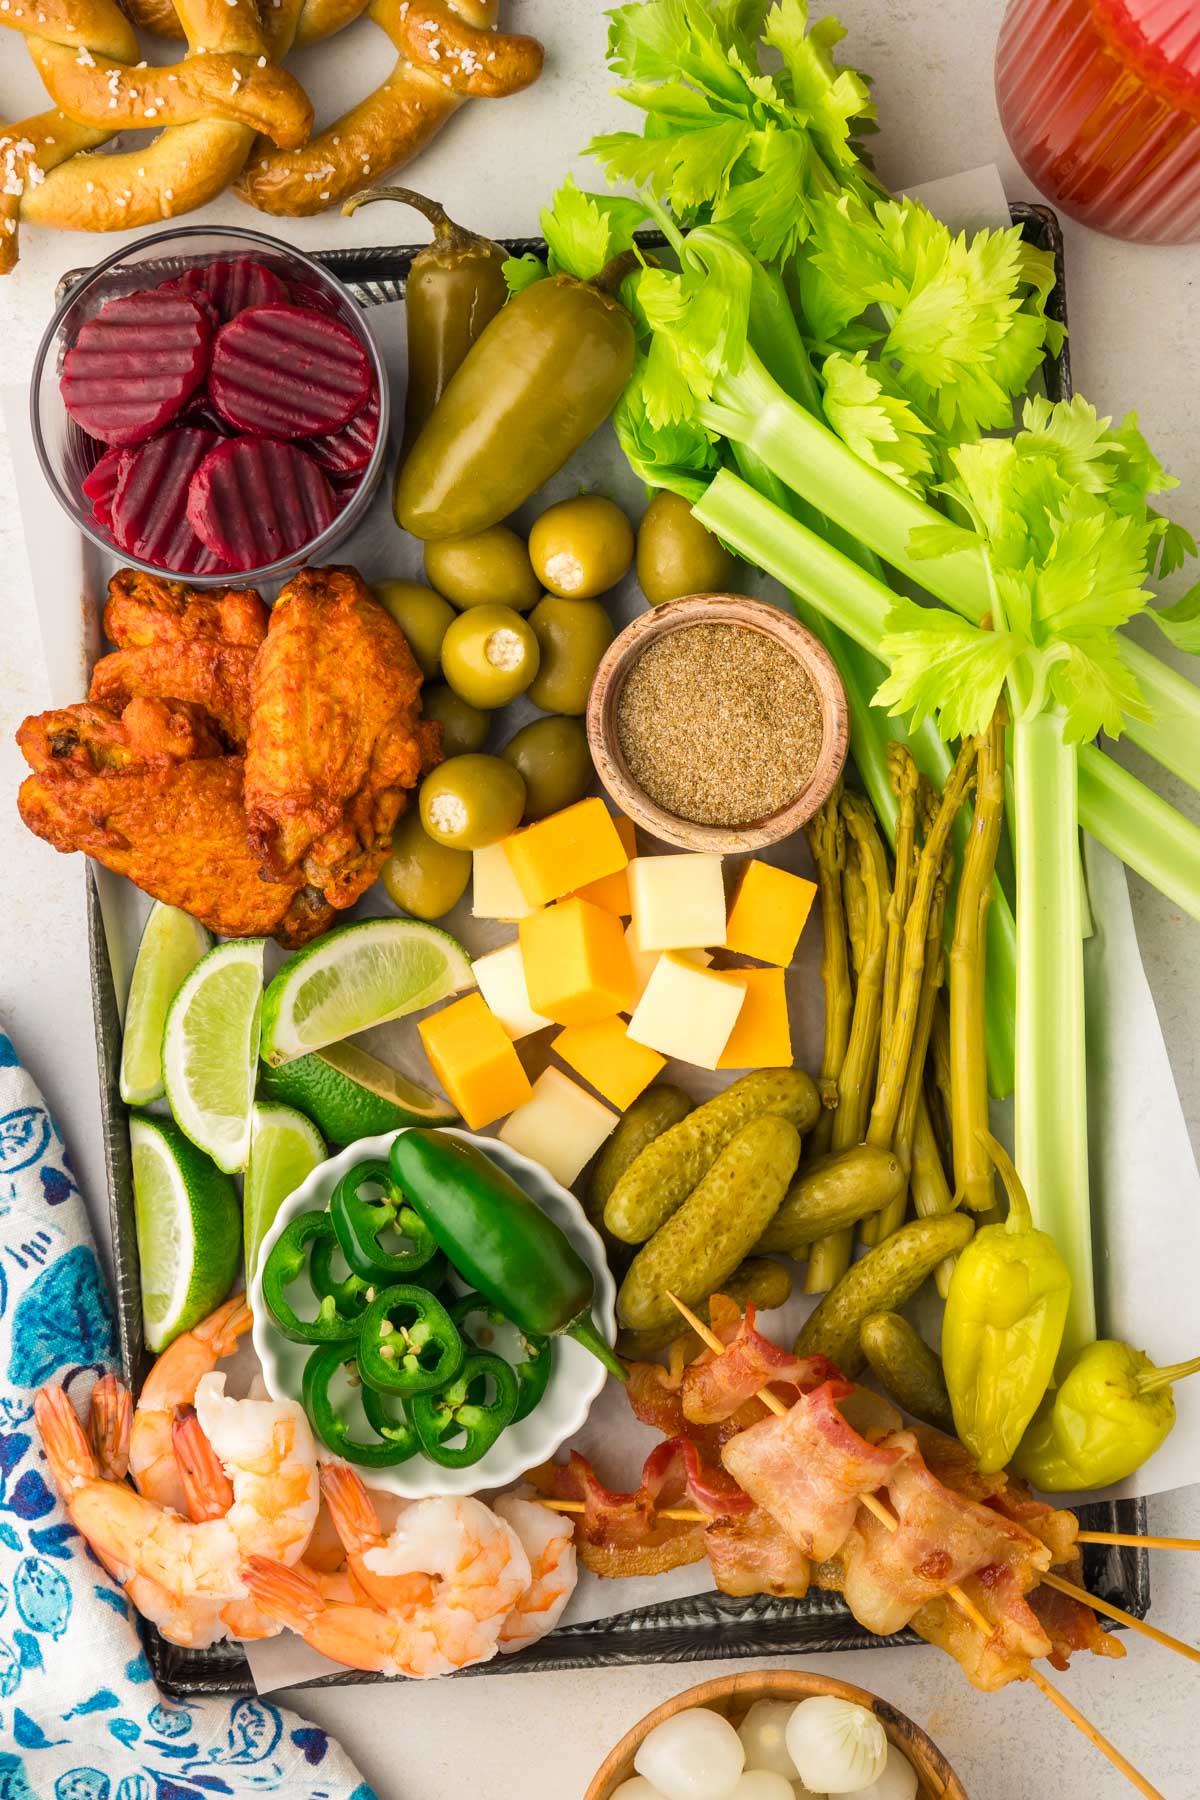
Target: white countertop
{"points": [[1133, 314]]}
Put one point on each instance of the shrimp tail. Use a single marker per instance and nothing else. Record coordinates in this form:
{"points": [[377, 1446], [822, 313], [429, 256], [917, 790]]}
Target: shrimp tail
{"points": [[354, 1517], [63, 1439], [109, 1425], [223, 1328], [207, 1489], [290, 1595]]}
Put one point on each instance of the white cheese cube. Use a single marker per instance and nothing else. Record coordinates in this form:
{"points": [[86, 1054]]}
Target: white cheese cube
{"points": [[644, 960], [495, 890], [501, 978], [678, 902], [687, 1012], [561, 1126]]}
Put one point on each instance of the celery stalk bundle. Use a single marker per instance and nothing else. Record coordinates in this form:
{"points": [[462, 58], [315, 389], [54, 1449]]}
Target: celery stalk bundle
{"points": [[833, 379]]}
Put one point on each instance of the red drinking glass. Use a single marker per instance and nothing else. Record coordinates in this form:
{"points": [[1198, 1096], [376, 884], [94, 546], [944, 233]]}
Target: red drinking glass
{"points": [[1100, 102]]}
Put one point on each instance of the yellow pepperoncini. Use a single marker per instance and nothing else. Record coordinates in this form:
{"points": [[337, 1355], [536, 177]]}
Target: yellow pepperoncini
{"points": [[1113, 1410], [1004, 1321]]}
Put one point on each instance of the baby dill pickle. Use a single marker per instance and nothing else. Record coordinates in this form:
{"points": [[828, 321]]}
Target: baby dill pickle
{"points": [[652, 1113], [663, 1176], [885, 1279], [832, 1192], [760, 1280], [906, 1368], [703, 1242]]}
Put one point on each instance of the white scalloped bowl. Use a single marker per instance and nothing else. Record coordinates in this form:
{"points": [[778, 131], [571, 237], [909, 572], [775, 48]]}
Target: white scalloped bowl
{"points": [[576, 1377]]}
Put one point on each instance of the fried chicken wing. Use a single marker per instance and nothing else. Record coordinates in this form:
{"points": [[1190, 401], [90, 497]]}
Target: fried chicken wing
{"points": [[336, 737], [176, 643], [146, 609], [149, 793]]}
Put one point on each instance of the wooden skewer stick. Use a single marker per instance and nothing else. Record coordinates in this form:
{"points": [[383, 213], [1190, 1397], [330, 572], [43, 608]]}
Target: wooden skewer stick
{"points": [[963, 1601], [1122, 1617], [1070, 1711], [1137, 1543]]}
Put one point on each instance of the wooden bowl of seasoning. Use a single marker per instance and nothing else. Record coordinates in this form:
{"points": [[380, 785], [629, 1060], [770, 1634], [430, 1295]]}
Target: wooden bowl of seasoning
{"points": [[718, 723], [734, 1695]]}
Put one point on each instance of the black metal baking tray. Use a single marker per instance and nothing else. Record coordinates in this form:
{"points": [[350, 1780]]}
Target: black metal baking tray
{"points": [[708, 1626]]}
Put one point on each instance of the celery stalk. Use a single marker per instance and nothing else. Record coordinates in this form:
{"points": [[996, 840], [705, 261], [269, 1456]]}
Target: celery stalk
{"points": [[750, 408], [1123, 814], [1051, 1089]]}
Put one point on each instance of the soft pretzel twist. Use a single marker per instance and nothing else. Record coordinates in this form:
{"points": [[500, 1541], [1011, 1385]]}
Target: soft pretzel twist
{"points": [[211, 106], [449, 53]]}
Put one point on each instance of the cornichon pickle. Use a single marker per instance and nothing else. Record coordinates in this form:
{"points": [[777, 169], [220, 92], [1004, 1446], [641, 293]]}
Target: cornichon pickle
{"points": [[832, 1192], [702, 1243], [665, 1173], [651, 1114], [760, 1280], [885, 1279], [907, 1368]]}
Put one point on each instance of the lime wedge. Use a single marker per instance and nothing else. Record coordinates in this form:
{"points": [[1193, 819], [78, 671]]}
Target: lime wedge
{"points": [[285, 1148], [351, 1094], [172, 944], [356, 976], [210, 1050], [189, 1228]]}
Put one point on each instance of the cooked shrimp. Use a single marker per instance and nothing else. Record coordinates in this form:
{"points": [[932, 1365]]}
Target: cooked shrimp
{"points": [[267, 1451], [110, 1415], [548, 1540], [358, 1526], [470, 1566], [173, 1382], [207, 1489]]}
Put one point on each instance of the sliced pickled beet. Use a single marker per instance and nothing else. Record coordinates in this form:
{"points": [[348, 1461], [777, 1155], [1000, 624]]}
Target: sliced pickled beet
{"points": [[314, 298], [132, 367], [231, 284], [347, 451], [150, 507], [100, 484], [254, 500], [287, 372], [201, 411]]}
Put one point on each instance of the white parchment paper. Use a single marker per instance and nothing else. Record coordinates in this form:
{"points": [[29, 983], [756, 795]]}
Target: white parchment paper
{"points": [[1146, 1189]]}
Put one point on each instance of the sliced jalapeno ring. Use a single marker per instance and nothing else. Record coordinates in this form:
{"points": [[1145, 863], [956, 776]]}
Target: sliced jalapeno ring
{"points": [[408, 1343], [351, 1295], [320, 1372], [532, 1367], [289, 1260], [386, 1415], [466, 1409], [361, 1222]]}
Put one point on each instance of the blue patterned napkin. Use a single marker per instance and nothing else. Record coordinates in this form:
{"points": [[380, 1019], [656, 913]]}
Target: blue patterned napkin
{"points": [[80, 1717]]}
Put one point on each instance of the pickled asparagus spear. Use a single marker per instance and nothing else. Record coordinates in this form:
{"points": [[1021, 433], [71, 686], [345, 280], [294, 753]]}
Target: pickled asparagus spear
{"points": [[827, 842], [974, 1175]]}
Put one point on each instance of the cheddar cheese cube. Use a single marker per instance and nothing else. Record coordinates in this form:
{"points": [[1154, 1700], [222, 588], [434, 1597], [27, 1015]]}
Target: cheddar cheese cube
{"points": [[678, 902], [688, 1012], [612, 891], [472, 1056], [761, 1037], [607, 1057], [501, 978], [644, 961], [769, 911], [495, 890], [565, 851], [559, 1126], [577, 968]]}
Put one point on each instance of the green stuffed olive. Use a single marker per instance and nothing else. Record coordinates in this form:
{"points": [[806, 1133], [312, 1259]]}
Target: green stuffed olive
{"points": [[572, 637], [472, 801], [555, 763]]}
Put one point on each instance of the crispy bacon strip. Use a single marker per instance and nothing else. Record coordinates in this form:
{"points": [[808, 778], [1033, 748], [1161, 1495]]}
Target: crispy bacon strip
{"points": [[1069, 1624], [940, 1538], [755, 1555], [718, 1385], [991, 1662], [625, 1534], [809, 1468], [655, 1394]]}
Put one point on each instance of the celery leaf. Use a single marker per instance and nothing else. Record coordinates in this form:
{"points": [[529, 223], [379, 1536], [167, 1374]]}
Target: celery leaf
{"points": [[584, 231], [521, 272], [879, 427], [1181, 622], [943, 668]]}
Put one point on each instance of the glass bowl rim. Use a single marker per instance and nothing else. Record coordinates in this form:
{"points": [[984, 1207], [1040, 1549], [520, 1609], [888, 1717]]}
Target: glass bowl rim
{"points": [[338, 525]]}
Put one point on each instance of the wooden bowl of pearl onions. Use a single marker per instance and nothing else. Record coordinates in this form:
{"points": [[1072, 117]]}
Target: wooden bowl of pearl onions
{"points": [[787, 1735]]}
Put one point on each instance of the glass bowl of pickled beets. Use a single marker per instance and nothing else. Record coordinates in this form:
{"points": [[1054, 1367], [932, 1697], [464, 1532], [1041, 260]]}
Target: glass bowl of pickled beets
{"points": [[209, 404]]}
